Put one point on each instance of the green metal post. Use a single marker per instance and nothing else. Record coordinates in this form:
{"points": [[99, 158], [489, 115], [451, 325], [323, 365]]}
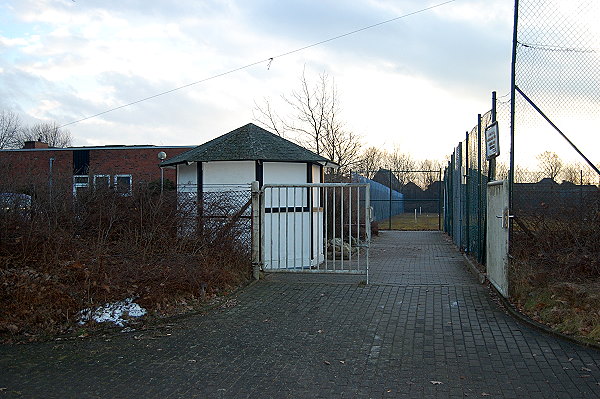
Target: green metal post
{"points": [[467, 204]]}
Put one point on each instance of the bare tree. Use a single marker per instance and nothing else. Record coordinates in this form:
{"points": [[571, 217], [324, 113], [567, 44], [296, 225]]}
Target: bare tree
{"points": [[550, 164], [429, 172], [314, 121], [524, 175], [579, 173], [10, 128], [371, 160], [264, 115], [572, 173], [342, 147], [311, 107], [47, 132], [402, 164]]}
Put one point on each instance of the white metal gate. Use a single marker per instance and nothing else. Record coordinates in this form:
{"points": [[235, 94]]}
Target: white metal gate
{"points": [[314, 227], [498, 223]]}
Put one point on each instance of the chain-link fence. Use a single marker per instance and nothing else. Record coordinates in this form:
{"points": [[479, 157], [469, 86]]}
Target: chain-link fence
{"points": [[405, 199], [224, 211], [555, 198], [465, 181], [548, 155]]}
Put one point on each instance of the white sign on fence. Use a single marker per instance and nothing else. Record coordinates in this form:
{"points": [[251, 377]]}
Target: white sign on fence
{"points": [[492, 141]]}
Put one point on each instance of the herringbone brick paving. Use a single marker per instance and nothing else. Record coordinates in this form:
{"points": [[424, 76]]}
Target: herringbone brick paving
{"points": [[424, 328]]}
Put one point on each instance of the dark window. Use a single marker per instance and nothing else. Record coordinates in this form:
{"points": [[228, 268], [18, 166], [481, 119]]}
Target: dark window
{"points": [[81, 162], [123, 184], [101, 182]]}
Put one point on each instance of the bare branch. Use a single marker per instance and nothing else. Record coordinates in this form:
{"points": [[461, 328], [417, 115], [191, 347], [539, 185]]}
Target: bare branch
{"points": [[47, 132], [10, 127], [266, 116]]}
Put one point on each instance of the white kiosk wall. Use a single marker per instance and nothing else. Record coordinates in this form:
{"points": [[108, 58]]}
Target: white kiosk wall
{"points": [[291, 236]]}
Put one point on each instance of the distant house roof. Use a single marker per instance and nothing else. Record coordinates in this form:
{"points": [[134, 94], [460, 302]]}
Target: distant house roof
{"points": [[248, 143], [383, 176]]}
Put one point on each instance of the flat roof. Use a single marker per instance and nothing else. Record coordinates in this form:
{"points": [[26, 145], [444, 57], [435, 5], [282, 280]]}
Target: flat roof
{"points": [[106, 147]]}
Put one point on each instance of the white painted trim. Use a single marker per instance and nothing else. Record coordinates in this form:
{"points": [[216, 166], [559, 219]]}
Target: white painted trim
{"points": [[80, 185], [116, 177]]}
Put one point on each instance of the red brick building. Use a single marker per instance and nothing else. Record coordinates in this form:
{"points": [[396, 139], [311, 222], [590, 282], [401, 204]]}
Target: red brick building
{"points": [[76, 168]]}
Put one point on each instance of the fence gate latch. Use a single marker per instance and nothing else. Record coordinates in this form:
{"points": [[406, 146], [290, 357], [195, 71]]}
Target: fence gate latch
{"points": [[506, 216]]}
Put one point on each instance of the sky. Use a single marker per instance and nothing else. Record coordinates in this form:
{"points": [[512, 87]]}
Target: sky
{"points": [[416, 84]]}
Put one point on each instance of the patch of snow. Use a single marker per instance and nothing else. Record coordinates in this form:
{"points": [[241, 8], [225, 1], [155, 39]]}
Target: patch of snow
{"points": [[112, 312]]}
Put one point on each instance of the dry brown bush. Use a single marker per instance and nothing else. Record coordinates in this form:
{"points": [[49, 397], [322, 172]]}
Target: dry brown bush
{"points": [[555, 267], [64, 255]]}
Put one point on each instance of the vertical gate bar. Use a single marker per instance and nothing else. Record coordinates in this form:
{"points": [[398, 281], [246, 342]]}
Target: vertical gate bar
{"points": [[325, 228], [301, 227], [333, 229], [350, 221], [294, 227], [272, 232], [287, 226], [342, 225], [279, 228], [321, 241], [319, 229]]}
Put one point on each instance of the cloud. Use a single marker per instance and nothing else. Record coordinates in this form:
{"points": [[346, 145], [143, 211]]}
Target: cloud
{"points": [[67, 60]]}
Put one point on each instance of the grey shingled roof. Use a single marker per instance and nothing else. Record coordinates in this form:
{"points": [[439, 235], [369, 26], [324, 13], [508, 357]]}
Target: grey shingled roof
{"points": [[248, 143]]}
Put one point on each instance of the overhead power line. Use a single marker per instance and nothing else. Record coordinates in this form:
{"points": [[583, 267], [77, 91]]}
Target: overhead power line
{"points": [[269, 60]]}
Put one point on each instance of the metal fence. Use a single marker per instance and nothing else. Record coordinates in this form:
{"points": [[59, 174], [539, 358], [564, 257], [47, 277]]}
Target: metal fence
{"points": [[465, 182], [219, 212], [554, 161], [548, 152], [315, 227], [405, 199]]}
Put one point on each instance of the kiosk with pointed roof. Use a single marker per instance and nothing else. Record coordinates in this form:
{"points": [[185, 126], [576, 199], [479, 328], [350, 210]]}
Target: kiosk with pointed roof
{"points": [[250, 153]]}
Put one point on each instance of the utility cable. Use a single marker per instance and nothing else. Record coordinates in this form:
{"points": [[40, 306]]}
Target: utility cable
{"points": [[269, 60]]}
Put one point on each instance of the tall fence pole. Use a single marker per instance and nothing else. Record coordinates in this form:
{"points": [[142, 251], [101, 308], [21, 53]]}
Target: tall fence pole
{"points": [[467, 202], [511, 171], [390, 207], [440, 204], [256, 228], [479, 191]]}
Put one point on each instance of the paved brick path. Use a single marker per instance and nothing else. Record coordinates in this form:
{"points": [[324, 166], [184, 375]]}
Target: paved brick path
{"points": [[424, 328]]}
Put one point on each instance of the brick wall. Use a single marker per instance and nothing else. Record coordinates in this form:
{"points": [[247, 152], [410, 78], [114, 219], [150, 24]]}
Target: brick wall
{"points": [[31, 167]]}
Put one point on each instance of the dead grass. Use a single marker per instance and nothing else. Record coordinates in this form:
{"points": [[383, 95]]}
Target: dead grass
{"points": [[555, 270], [569, 308], [65, 256], [406, 221]]}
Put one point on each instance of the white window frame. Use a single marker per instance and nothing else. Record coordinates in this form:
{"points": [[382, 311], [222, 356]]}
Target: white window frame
{"points": [[97, 177], [77, 185], [128, 193]]}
